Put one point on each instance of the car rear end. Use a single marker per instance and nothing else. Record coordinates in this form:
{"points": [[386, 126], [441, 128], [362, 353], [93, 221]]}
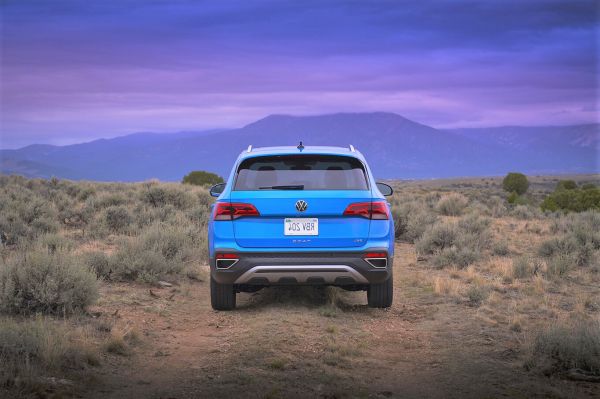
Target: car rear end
{"points": [[300, 216]]}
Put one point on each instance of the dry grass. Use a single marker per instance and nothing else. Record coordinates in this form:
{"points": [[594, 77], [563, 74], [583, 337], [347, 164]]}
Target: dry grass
{"points": [[513, 269]]}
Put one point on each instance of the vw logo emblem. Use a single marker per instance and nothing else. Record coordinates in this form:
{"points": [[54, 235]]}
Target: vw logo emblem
{"points": [[301, 205]]}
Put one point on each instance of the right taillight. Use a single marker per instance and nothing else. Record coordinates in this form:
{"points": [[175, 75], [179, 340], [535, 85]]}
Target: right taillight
{"points": [[371, 210], [233, 210]]}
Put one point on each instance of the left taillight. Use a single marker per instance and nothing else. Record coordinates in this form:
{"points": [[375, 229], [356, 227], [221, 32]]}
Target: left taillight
{"points": [[225, 261], [233, 210], [377, 210]]}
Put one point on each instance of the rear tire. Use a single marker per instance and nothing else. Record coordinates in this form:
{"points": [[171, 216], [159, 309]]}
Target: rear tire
{"points": [[222, 296], [381, 295]]}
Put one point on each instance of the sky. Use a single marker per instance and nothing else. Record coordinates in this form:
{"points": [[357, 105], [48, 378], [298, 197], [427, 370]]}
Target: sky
{"points": [[72, 71]]}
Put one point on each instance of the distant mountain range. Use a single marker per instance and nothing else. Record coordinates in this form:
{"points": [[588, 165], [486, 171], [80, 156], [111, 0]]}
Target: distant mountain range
{"points": [[395, 147]]}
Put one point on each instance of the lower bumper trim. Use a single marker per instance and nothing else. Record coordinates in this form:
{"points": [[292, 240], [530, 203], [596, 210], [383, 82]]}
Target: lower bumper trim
{"points": [[302, 274]]}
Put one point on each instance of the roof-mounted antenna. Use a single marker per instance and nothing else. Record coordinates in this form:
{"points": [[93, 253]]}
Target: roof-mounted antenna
{"points": [[249, 148], [300, 146], [352, 148]]}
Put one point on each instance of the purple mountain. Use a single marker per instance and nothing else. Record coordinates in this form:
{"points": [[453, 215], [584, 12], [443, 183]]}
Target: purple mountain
{"points": [[396, 147]]}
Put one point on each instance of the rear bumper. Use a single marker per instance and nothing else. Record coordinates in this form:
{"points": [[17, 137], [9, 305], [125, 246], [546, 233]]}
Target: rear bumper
{"points": [[308, 268]]}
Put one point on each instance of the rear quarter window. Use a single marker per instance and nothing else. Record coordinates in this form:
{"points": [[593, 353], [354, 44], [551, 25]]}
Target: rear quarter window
{"points": [[301, 172]]}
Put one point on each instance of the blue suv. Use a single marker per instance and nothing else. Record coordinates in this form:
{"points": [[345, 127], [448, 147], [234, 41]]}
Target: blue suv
{"points": [[300, 215]]}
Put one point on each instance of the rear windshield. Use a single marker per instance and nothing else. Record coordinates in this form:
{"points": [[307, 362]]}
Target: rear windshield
{"points": [[301, 172]]}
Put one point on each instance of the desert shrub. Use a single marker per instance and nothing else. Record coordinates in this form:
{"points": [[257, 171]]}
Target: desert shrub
{"points": [[202, 178], [76, 216], [411, 219], [131, 263], [476, 294], [452, 204], [117, 218], [522, 212], [566, 185], [558, 266], [579, 243], [461, 256], [47, 282], [521, 267], [436, 238], [473, 224], [39, 347], [99, 263], [106, 200], [459, 244], [496, 207], [515, 182], [199, 214], [562, 347], [55, 242], [161, 195], [500, 248], [12, 228], [159, 251], [574, 200]]}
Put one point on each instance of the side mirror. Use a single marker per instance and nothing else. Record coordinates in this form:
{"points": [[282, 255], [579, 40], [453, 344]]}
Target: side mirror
{"points": [[385, 189], [217, 189]]}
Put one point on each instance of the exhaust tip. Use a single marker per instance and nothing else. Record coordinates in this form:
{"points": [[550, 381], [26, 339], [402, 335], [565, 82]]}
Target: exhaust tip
{"points": [[225, 261], [377, 260]]}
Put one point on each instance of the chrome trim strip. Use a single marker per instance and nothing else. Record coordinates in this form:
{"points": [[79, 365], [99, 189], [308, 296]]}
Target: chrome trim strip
{"points": [[301, 273]]}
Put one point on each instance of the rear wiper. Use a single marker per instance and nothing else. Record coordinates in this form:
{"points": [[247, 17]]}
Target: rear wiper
{"points": [[290, 187]]}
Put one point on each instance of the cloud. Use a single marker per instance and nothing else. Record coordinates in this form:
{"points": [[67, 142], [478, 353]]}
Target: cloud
{"points": [[87, 69]]}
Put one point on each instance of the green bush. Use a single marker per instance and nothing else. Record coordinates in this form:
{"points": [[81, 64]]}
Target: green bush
{"points": [[575, 200], [202, 178], [515, 182], [566, 185], [39, 281]]}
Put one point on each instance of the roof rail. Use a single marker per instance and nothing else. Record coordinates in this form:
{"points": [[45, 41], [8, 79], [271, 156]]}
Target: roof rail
{"points": [[249, 148], [352, 148]]}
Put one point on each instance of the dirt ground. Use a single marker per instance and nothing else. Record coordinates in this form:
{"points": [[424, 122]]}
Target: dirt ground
{"points": [[310, 342]]}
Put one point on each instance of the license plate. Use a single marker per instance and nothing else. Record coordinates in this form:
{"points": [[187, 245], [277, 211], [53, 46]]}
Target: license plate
{"points": [[301, 227]]}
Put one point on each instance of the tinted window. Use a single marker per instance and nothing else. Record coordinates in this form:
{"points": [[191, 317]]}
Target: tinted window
{"points": [[307, 172]]}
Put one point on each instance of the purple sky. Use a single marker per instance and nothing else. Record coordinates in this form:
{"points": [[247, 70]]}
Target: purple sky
{"points": [[78, 70]]}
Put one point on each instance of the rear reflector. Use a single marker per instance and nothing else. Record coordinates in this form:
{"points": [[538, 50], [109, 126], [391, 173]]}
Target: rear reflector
{"points": [[233, 210], [225, 261], [371, 210]]}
